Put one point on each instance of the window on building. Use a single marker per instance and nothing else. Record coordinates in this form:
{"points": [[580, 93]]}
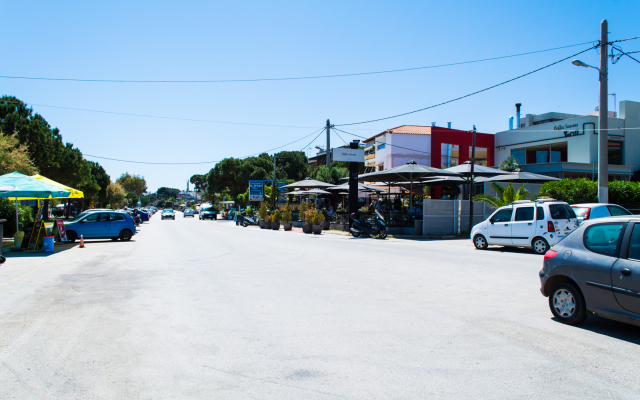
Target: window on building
{"points": [[520, 155], [381, 146], [541, 157], [481, 155], [449, 155], [381, 167], [615, 153]]}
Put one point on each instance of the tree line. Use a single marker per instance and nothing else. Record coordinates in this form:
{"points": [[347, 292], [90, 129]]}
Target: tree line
{"points": [[29, 145]]}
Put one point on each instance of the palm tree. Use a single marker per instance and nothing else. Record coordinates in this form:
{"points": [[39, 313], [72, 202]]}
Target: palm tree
{"points": [[504, 195], [510, 164]]}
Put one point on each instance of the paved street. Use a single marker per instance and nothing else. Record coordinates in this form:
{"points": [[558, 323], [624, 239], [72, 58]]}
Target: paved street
{"points": [[207, 310]]}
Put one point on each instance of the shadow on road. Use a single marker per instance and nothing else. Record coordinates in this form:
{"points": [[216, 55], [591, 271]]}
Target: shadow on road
{"points": [[509, 249], [617, 330]]}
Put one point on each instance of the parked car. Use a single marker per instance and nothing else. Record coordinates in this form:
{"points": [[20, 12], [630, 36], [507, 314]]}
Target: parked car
{"points": [[598, 210], [144, 216], [100, 225], [596, 269], [208, 211], [536, 224], [189, 213], [168, 214]]}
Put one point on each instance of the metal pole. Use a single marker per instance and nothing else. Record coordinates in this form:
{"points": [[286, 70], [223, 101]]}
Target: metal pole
{"points": [[327, 151], [17, 226], [603, 138], [473, 162], [274, 188]]}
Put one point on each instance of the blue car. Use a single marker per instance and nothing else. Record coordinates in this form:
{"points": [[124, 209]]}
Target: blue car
{"points": [[101, 225]]}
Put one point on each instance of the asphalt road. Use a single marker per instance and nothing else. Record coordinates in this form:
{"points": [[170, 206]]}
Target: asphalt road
{"points": [[207, 310]]}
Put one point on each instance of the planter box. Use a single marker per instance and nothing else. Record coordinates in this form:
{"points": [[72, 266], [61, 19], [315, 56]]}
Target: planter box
{"points": [[317, 229], [326, 225], [306, 228], [263, 224], [275, 226], [287, 226]]}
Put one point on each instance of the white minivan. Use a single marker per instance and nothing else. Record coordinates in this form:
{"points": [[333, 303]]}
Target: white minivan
{"points": [[537, 224]]}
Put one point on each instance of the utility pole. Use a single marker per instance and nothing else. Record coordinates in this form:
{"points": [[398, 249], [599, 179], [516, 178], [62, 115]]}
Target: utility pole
{"points": [[327, 151], [473, 162], [603, 138], [274, 186]]}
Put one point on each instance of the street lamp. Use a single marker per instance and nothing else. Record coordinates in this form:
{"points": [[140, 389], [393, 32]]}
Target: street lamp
{"points": [[603, 145]]}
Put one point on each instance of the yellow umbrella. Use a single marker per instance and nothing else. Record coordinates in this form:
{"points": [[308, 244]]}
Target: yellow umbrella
{"points": [[75, 194]]}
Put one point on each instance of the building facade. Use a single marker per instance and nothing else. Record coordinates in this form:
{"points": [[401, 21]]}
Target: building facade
{"points": [[426, 145], [566, 145]]}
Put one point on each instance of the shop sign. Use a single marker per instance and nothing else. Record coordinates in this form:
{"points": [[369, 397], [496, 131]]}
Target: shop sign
{"points": [[349, 155], [255, 191], [566, 130]]}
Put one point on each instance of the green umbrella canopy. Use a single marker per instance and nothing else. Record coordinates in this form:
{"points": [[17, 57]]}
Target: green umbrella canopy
{"points": [[17, 186]]}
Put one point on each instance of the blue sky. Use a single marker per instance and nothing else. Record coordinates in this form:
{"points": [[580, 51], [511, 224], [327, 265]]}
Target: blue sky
{"points": [[251, 39]]}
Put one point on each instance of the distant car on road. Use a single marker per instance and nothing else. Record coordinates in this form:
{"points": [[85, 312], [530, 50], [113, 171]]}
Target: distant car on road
{"points": [[189, 212], [595, 269], [101, 225], [536, 224], [598, 210], [168, 214], [208, 211]]}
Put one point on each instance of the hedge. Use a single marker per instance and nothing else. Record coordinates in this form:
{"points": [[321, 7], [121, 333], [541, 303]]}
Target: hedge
{"points": [[576, 191], [8, 212]]}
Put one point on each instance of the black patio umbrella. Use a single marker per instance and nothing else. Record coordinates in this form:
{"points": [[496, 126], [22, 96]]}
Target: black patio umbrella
{"points": [[361, 188], [308, 183], [410, 172], [518, 177], [469, 172]]}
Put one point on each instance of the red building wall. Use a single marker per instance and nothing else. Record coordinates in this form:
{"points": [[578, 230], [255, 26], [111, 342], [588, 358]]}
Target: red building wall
{"points": [[464, 139]]}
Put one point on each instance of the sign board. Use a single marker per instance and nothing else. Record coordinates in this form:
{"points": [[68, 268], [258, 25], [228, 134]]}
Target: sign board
{"points": [[35, 234], [349, 155], [282, 192], [255, 191], [62, 234]]}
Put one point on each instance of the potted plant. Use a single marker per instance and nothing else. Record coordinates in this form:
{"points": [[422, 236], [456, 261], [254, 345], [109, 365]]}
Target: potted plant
{"points": [[318, 219], [286, 218], [275, 220], [262, 212], [326, 224], [308, 220]]}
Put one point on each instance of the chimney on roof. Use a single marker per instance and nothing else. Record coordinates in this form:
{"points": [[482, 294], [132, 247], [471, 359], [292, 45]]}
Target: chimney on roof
{"points": [[511, 122], [433, 124], [449, 125], [518, 105]]}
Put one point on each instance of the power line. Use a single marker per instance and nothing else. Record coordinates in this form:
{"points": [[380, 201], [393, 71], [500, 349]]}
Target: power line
{"points": [[340, 136], [385, 143], [470, 94], [290, 78], [625, 54], [314, 139], [178, 163]]}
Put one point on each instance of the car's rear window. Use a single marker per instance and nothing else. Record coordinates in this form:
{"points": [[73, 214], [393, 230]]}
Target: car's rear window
{"points": [[561, 211], [604, 238], [580, 211]]}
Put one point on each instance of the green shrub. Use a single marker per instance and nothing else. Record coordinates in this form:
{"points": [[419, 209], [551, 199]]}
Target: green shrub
{"points": [[276, 216], [8, 212], [576, 191], [318, 218], [262, 211], [287, 214]]}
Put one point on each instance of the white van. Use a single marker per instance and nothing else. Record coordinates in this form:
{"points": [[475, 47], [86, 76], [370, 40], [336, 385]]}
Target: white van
{"points": [[525, 223]]}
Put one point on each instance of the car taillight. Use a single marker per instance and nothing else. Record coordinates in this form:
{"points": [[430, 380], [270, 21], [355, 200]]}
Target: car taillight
{"points": [[550, 227], [550, 254], [586, 214]]}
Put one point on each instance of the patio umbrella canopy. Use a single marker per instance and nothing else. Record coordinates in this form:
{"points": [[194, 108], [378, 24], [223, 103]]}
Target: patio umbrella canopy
{"points": [[411, 172], [308, 184], [518, 177], [361, 188], [74, 193], [17, 186], [464, 170]]}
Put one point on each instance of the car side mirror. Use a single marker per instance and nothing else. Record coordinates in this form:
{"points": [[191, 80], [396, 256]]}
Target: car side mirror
{"points": [[491, 221], [82, 222]]}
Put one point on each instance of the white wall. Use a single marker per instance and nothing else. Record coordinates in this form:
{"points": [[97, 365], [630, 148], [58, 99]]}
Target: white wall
{"points": [[401, 155]]}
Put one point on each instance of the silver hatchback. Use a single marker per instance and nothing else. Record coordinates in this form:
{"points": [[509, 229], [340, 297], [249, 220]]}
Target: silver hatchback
{"points": [[595, 269]]}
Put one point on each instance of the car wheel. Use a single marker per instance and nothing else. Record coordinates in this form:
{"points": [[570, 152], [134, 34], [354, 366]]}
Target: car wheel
{"points": [[125, 235], [245, 224], [540, 246], [71, 236], [480, 242], [382, 234], [567, 304]]}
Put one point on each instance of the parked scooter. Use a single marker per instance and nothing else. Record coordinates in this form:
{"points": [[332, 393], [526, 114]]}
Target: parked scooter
{"points": [[246, 221], [378, 228]]}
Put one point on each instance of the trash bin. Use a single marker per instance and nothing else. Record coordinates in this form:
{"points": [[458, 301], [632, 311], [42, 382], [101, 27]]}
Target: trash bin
{"points": [[47, 244]]}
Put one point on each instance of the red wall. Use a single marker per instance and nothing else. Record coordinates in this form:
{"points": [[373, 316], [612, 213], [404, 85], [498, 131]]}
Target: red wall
{"points": [[464, 139]]}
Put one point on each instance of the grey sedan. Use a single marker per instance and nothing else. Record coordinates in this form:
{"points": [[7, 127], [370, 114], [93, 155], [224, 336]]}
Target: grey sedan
{"points": [[595, 269], [189, 212]]}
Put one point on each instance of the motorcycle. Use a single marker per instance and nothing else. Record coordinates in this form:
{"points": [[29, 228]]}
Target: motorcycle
{"points": [[378, 228], [246, 221]]}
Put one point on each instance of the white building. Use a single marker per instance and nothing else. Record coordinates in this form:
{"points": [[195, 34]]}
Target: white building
{"points": [[566, 145]]}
